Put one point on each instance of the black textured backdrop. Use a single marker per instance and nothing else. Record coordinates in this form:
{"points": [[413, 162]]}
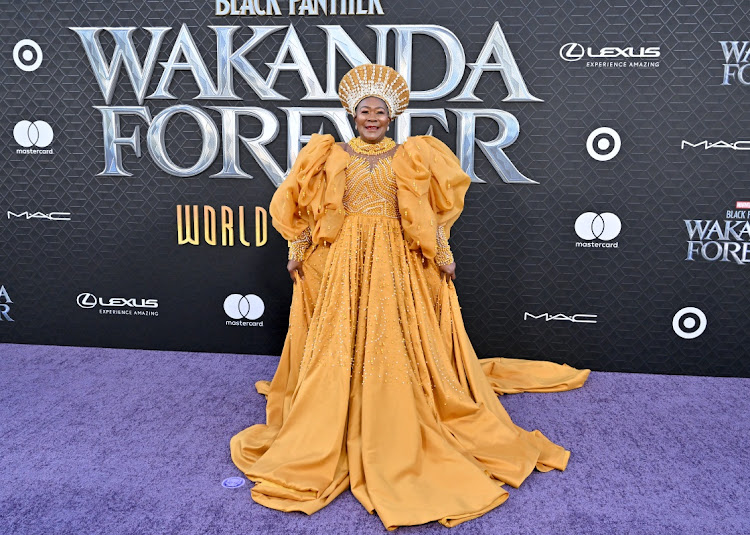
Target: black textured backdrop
{"points": [[515, 244]]}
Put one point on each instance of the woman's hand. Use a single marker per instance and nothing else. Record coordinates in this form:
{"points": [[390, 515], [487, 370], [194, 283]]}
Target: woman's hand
{"points": [[295, 266], [448, 271]]}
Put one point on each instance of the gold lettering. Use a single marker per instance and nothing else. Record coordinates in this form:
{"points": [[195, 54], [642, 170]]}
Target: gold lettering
{"points": [[209, 225], [189, 225], [188, 236], [261, 222], [241, 226], [227, 229]]}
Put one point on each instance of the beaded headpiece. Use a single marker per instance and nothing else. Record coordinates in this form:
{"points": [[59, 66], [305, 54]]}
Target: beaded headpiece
{"points": [[371, 80]]}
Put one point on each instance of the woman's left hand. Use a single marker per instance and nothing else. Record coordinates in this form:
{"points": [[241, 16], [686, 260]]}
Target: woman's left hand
{"points": [[448, 271]]}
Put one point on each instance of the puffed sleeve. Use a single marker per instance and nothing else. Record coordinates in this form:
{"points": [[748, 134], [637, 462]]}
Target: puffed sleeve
{"points": [[431, 191], [311, 194]]}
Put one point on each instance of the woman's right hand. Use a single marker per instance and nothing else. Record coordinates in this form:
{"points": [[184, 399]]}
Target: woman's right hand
{"points": [[295, 266]]}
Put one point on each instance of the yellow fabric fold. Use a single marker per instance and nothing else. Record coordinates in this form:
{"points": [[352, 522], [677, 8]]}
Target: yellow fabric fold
{"points": [[512, 376], [431, 190], [311, 194]]}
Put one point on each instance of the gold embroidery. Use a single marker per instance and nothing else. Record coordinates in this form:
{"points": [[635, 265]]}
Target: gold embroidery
{"points": [[363, 147], [371, 186], [298, 246], [443, 255]]}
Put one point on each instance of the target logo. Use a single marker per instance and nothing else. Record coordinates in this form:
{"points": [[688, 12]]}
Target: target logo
{"points": [[689, 323], [603, 144], [28, 134], [592, 226], [249, 306], [27, 55]]}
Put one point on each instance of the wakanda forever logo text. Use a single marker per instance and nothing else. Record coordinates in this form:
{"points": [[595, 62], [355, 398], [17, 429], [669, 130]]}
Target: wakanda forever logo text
{"points": [[236, 50], [736, 62], [723, 240]]}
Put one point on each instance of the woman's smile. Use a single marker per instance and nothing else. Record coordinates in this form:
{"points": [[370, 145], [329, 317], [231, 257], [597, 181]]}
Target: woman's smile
{"points": [[371, 119]]}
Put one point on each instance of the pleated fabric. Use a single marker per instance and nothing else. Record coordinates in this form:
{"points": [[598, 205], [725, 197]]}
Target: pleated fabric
{"points": [[379, 390]]}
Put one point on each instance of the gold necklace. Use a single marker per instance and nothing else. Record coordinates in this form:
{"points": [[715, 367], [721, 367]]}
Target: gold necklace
{"points": [[363, 147]]}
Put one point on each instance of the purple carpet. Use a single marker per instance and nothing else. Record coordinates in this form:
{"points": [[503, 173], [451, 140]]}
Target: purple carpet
{"points": [[137, 442]]}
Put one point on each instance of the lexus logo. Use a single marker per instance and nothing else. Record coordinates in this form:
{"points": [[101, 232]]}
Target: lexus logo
{"points": [[89, 300], [592, 226], [576, 51], [86, 300], [572, 52]]}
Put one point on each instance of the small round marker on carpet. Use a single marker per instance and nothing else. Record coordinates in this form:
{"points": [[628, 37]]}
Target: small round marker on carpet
{"points": [[233, 482]]}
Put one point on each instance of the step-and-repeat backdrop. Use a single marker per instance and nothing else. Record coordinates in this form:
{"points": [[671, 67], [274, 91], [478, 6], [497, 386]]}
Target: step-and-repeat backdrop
{"points": [[607, 225]]}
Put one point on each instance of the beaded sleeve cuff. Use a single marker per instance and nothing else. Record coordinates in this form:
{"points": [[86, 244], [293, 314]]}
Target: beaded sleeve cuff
{"points": [[298, 246], [443, 256]]}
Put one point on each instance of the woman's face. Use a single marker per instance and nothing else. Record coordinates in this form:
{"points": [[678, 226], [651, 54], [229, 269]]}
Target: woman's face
{"points": [[371, 119]]}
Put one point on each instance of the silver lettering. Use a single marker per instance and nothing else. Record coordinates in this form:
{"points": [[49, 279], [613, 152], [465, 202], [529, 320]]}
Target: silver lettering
{"points": [[496, 46], [158, 150], [508, 132], [106, 73]]}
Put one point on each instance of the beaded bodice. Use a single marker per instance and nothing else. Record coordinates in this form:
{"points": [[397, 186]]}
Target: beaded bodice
{"points": [[370, 184], [371, 189]]}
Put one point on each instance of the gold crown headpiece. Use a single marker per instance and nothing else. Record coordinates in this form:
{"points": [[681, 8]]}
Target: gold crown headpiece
{"points": [[371, 80]]}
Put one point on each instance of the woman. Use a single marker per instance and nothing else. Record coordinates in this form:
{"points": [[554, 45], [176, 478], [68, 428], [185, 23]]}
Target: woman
{"points": [[378, 387]]}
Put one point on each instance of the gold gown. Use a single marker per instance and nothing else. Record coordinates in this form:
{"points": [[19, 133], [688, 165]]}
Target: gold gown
{"points": [[378, 387]]}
